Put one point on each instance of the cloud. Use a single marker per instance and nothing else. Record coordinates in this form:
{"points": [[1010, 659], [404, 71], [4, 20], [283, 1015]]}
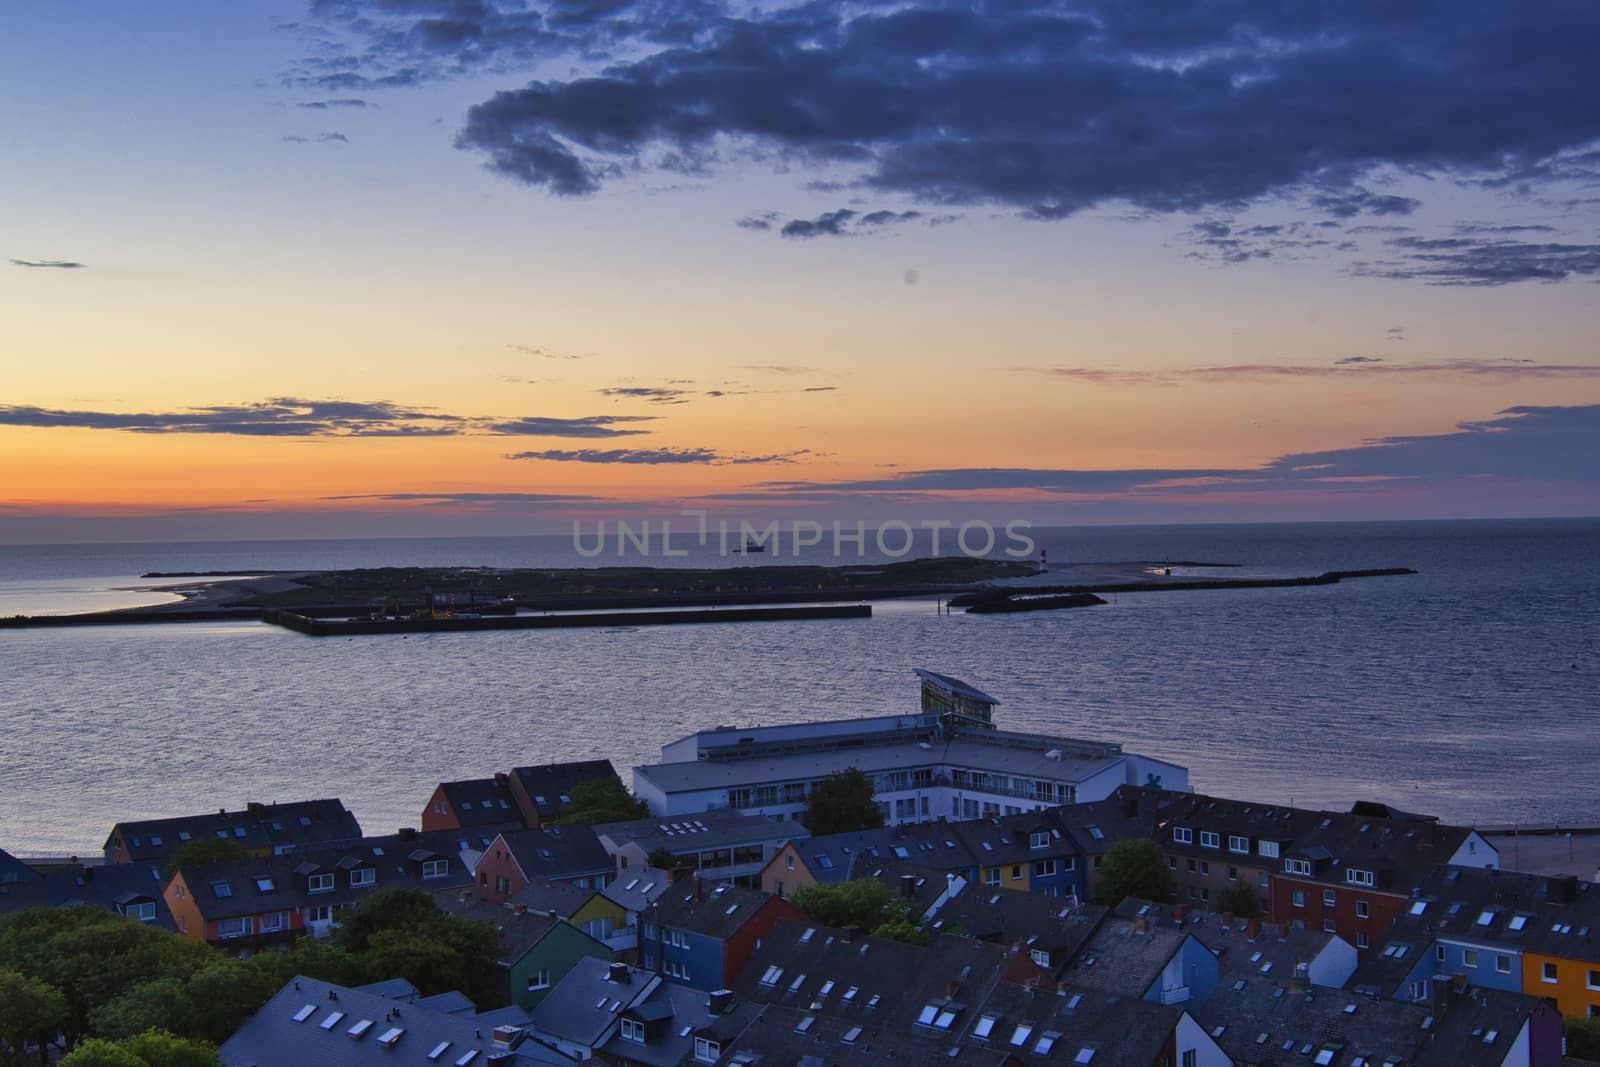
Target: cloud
{"points": [[49, 264], [844, 222], [332, 137], [652, 394], [542, 352], [276, 417], [1349, 368], [1211, 104], [1520, 443], [1225, 241], [759, 220], [1481, 261], [325, 105], [655, 456], [788, 370], [290, 417], [820, 389], [586, 426], [473, 497]]}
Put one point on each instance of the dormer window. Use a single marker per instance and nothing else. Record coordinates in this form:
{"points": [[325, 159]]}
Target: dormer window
{"points": [[1182, 835], [1239, 844], [320, 883], [1359, 877], [1039, 956], [1294, 866], [1039, 839], [633, 1030], [707, 1050], [363, 876], [435, 868], [1210, 839]]}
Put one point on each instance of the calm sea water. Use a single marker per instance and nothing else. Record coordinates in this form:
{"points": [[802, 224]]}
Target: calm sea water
{"points": [[1471, 690]]}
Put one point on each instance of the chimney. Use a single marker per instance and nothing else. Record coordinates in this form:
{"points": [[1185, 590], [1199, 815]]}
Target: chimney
{"points": [[952, 988], [719, 1002], [699, 890], [1563, 889], [408, 833], [521, 909], [1252, 929], [501, 777], [88, 874], [507, 1035], [1179, 913], [617, 973], [908, 886], [1439, 999], [848, 936]]}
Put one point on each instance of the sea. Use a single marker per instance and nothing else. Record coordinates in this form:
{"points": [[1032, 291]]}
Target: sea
{"points": [[1470, 690]]}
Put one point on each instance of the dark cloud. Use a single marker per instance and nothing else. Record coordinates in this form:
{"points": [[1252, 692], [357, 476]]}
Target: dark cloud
{"points": [[586, 426], [325, 105], [654, 456], [1524, 442], [1041, 108], [652, 394], [1481, 261], [1350, 368], [277, 417], [290, 417], [760, 220], [820, 389], [1395, 333], [846, 223], [332, 137], [1224, 241], [49, 264]]}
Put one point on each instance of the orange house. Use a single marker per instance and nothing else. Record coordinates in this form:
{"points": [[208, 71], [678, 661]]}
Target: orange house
{"points": [[1573, 984]]}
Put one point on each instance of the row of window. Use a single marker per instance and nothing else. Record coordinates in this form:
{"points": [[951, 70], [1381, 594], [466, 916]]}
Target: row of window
{"points": [[1183, 835]]}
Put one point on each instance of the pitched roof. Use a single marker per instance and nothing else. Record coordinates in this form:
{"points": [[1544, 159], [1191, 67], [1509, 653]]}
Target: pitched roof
{"points": [[873, 980], [588, 1000], [1124, 956], [14, 870], [1400, 854], [1010, 838], [116, 887], [1244, 946], [718, 828], [292, 825], [787, 1036], [558, 852], [318, 1024], [841, 857], [482, 802], [548, 897], [550, 785], [1009, 917], [520, 930], [673, 1016], [1266, 1019], [256, 885], [637, 890], [1523, 912], [1041, 1027], [718, 913]]}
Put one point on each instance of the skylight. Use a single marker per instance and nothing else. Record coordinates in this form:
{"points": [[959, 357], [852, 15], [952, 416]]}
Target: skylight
{"points": [[1020, 1035], [1047, 1041], [438, 1050], [850, 1035], [1485, 918], [331, 1021], [805, 1024], [264, 885], [1084, 1055], [1072, 1004], [929, 1013], [305, 1013], [798, 979], [827, 987], [1418, 907], [985, 1026], [1517, 922], [805, 938], [388, 1038], [945, 1020], [359, 1030], [850, 994], [466, 1057]]}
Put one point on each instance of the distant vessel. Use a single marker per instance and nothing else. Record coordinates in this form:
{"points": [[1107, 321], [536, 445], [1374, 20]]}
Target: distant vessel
{"points": [[753, 546]]}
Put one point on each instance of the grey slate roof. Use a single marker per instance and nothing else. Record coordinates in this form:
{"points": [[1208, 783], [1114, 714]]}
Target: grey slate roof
{"points": [[637, 890], [842, 857], [719, 828], [294, 1028], [549, 786], [673, 1015], [1007, 839], [115, 887], [1298, 1024], [1121, 958], [558, 852], [521, 930], [1529, 913], [482, 803], [872, 980], [294, 825], [1009, 917], [1054, 1028], [584, 1006], [14, 870], [781, 1037], [715, 913], [548, 897], [1244, 946]]}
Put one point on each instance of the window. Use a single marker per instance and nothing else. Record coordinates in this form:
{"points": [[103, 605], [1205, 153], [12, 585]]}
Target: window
{"points": [[706, 1050], [788, 863], [1182, 835], [320, 883], [1268, 849], [221, 890], [264, 885], [1020, 1035], [319, 913], [1210, 839], [435, 868], [1016, 871], [1502, 965], [145, 911], [1469, 957], [633, 1030], [991, 876], [1039, 956], [1362, 940], [1439, 953], [1298, 898], [1363, 910], [1359, 877], [1329, 926], [1594, 978], [1044, 868], [1238, 844], [1330, 899], [229, 928], [278, 920], [1039, 839], [363, 876], [1548, 973], [1191, 1058], [1205, 866], [1292, 866]]}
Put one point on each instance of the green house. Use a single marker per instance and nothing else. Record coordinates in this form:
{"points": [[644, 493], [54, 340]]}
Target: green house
{"points": [[536, 949]]}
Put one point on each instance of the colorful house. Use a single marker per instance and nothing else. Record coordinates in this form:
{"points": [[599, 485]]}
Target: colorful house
{"points": [[537, 950], [259, 829], [559, 853], [703, 938]]}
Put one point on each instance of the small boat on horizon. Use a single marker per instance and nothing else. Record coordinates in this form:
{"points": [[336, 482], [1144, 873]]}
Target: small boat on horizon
{"points": [[752, 546]]}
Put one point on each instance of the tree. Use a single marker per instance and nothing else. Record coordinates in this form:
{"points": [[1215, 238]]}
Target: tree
{"points": [[1134, 867], [34, 1013], [603, 800], [402, 933], [1583, 1038], [204, 851], [842, 803], [1240, 900], [863, 902], [386, 908], [153, 1048]]}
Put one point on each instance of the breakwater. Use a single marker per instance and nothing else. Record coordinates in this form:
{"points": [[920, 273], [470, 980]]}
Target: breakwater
{"points": [[561, 620]]}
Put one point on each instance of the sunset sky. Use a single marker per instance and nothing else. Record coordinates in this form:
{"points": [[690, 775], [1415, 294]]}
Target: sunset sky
{"points": [[366, 267]]}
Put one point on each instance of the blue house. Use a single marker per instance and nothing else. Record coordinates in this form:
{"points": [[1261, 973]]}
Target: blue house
{"points": [[703, 938]]}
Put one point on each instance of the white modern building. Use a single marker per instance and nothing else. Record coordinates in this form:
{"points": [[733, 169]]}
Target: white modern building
{"points": [[947, 761]]}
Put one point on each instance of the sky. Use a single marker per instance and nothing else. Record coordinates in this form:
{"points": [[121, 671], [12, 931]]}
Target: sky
{"points": [[425, 267]]}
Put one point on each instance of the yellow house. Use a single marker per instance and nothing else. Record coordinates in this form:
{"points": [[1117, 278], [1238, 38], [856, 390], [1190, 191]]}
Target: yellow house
{"points": [[1573, 984]]}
